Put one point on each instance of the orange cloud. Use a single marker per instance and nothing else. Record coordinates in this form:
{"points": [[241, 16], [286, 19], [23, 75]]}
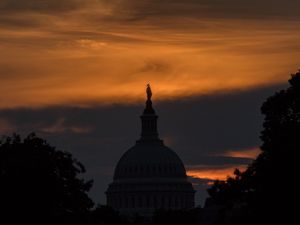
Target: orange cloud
{"points": [[222, 172], [213, 173], [251, 153], [86, 57]]}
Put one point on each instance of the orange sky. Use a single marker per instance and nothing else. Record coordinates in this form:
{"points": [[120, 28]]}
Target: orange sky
{"points": [[223, 171], [214, 173], [98, 54]]}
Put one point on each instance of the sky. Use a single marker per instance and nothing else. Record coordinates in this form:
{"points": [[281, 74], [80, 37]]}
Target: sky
{"points": [[75, 72]]}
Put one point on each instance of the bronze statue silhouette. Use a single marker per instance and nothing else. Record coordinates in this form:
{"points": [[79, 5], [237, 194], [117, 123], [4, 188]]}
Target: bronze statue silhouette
{"points": [[149, 109], [149, 92]]}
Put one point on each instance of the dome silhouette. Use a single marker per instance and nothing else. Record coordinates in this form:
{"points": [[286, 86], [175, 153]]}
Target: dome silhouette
{"points": [[150, 175], [149, 160]]}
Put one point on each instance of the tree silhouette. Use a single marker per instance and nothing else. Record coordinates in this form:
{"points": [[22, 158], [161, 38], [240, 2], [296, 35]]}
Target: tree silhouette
{"points": [[263, 194], [106, 215], [177, 217], [40, 184]]}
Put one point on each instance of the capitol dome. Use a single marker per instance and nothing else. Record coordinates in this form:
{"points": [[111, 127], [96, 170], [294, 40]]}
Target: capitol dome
{"points": [[149, 160], [149, 176]]}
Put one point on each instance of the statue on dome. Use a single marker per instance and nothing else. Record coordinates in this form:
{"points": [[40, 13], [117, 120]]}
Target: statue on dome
{"points": [[149, 92], [149, 109]]}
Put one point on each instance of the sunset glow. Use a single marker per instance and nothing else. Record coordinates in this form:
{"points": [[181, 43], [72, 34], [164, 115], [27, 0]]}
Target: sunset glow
{"points": [[214, 173], [94, 56], [251, 153], [224, 171]]}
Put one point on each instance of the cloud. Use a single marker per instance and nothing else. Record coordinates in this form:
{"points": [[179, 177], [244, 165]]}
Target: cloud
{"points": [[251, 153], [221, 172], [91, 54], [203, 176], [214, 124], [199, 129], [152, 66], [6, 127], [143, 9], [41, 6], [183, 14], [86, 72], [60, 126]]}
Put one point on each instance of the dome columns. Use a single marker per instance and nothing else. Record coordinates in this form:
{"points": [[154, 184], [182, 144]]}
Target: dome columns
{"points": [[150, 201]]}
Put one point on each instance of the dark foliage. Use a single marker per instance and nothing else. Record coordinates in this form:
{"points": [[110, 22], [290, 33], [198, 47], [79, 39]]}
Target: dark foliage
{"points": [[264, 193], [104, 215], [39, 184], [177, 217]]}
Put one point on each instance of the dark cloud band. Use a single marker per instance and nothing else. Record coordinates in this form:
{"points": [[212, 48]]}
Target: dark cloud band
{"points": [[141, 9], [41, 6]]}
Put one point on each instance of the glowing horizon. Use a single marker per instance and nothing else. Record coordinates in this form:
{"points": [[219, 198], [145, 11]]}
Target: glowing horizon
{"points": [[217, 173]]}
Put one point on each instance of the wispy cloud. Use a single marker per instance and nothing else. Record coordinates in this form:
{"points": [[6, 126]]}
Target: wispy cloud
{"points": [[251, 153], [82, 53], [45, 6], [223, 170], [211, 173], [60, 126]]}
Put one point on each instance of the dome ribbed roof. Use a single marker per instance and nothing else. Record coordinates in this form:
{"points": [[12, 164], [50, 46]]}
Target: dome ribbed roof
{"points": [[149, 160]]}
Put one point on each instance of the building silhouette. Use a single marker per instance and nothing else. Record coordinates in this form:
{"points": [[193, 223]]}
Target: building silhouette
{"points": [[149, 175]]}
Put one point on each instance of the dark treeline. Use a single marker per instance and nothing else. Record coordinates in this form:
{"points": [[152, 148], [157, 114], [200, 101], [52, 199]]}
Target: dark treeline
{"points": [[42, 185], [266, 192], [39, 184]]}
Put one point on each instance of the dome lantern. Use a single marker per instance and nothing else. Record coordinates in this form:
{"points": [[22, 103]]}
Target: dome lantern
{"points": [[149, 120]]}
